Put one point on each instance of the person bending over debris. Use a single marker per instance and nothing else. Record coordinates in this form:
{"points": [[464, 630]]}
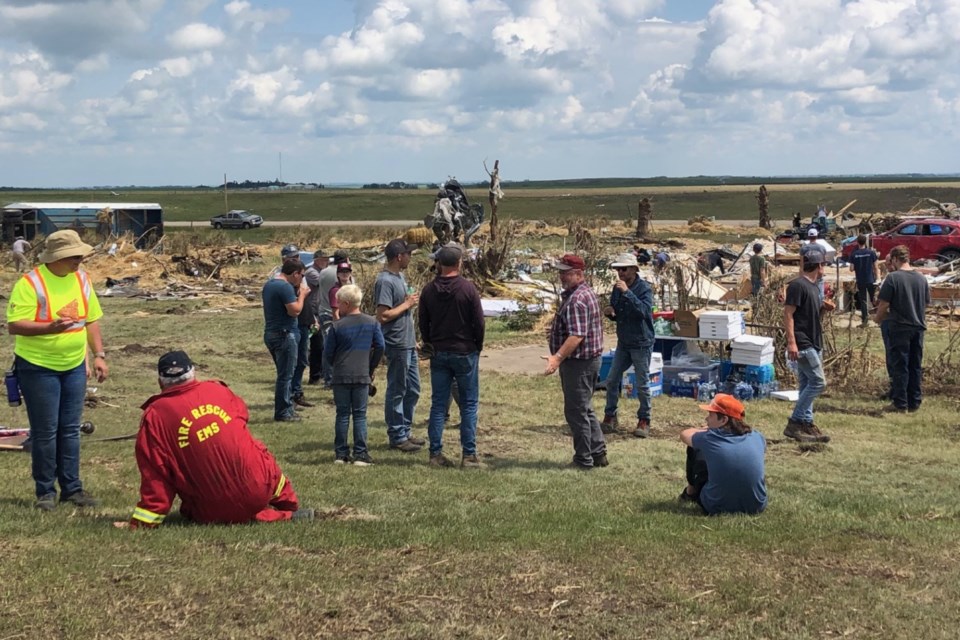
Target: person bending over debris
{"points": [[19, 249], [801, 322], [194, 443], [725, 470]]}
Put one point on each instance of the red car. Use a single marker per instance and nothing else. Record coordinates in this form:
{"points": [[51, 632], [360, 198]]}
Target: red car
{"points": [[927, 239]]}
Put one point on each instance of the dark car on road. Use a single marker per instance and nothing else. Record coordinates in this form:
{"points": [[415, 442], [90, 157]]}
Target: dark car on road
{"points": [[236, 219], [927, 239]]}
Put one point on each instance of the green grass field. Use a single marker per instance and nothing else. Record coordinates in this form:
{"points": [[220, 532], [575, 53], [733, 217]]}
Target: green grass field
{"points": [[860, 540], [670, 203]]}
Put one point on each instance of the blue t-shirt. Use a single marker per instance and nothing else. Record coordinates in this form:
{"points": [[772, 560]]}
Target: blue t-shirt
{"points": [[863, 261], [276, 295], [735, 472]]}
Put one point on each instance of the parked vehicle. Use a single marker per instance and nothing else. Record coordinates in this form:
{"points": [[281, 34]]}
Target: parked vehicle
{"points": [[927, 239], [236, 219]]}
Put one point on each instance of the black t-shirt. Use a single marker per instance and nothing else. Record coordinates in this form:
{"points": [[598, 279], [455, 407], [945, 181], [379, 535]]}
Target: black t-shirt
{"points": [[908, 294], [805, 296]]}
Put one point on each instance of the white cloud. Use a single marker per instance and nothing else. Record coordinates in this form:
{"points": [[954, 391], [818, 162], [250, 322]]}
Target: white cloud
{"points": [[423, 127], [196, 36]]}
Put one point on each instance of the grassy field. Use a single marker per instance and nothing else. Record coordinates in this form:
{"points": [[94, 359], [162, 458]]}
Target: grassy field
{"points": [[670, 203], [859, 540]]}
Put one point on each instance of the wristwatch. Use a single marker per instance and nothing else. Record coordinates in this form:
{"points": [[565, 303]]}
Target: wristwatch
{"points": [[100, 354]]}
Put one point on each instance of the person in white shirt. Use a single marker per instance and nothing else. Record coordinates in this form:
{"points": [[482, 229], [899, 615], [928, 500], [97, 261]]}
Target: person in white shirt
{"points": [[20, 248]]}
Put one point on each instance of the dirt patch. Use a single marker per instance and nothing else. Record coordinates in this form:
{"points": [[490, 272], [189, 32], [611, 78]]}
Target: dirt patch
{"points": [[851, 411], [135, 349], [344, 513]]}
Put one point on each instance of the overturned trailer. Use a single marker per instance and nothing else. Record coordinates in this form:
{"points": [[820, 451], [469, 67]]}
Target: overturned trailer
{"points": [[28, 219]]}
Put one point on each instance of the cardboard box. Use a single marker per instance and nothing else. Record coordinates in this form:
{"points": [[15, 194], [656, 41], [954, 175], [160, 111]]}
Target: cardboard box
{"points": [[688, 323]]}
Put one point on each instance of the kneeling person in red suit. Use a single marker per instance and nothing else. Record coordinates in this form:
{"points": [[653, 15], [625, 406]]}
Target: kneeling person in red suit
{"points": [[194, 442]]}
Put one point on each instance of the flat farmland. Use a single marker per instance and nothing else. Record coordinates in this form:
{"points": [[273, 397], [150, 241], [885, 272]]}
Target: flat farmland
{"points": [[733, 202]]}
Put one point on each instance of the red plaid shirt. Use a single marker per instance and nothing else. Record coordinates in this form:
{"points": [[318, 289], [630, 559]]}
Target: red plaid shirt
{"points": [[578, 315]]}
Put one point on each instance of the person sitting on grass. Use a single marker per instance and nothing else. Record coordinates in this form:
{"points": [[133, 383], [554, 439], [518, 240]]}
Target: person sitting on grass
{"points": [[725, 472], [352, 351]]}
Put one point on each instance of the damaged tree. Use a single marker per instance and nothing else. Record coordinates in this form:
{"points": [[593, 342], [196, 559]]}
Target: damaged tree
{"points": [[644, 217], [763, 203], [496, 194]]}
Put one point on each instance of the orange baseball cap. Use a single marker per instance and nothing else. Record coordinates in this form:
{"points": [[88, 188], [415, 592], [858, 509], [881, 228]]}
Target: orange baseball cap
{"points": [[727, 405]]}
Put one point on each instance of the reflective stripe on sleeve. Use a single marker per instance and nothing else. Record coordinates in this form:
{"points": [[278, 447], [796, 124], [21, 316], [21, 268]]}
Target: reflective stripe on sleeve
{"points": [[43, 302], [280, 486], [149, 517]]}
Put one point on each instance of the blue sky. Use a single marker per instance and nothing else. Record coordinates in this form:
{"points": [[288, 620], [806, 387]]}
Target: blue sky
{"points": [[119, 92]]}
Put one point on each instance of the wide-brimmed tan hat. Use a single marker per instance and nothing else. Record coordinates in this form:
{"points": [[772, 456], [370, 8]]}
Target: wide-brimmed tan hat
{"points": [[625, 260], [63, 244]]}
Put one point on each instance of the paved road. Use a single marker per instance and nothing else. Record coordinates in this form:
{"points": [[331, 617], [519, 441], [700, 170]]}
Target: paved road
{"points": [[406, 223]]}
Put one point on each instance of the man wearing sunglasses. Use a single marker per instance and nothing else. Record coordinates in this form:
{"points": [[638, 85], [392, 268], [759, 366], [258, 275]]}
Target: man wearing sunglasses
{"points": [[631, 308]]}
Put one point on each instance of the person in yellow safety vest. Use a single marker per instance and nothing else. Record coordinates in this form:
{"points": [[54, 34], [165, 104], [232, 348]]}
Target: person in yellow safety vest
{"points": [[54, 314]]}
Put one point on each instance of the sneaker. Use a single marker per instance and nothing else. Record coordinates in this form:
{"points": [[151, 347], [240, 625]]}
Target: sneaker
{"points": [[362, 460], [417, 441], [470, 462], [601, 460], [291, 418], [307, 515], [797, 431], [47, 502], [609, 424], [892, 408], [299, 399], [80, 499], [406, 446], [643, 428], [343, 460], [814, 431], [441, 460]]}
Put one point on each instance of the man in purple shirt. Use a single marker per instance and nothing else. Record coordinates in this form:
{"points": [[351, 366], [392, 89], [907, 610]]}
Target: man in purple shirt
{"points": [[576, 342]]}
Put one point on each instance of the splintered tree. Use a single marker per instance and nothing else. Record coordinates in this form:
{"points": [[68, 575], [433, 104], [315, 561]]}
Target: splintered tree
{"points": [[644, 216], [763, 203], [496, 194]]}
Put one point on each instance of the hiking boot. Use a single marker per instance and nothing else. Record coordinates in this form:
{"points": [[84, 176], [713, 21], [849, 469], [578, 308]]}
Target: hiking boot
{"points": [[291, 418], [470, 462], [579, 466], [913, 409], [406, 446], [643, 428], [300, 400], [892, 408], [80, 499], [46, 502], [601, 460], [609, 424], [343, 460], [441, 460], [306, 515], [417, 441], [814, 431], [797, 431], [362, 460]]}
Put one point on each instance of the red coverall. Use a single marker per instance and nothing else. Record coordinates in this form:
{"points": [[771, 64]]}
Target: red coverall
{"points": [[194, 442]]}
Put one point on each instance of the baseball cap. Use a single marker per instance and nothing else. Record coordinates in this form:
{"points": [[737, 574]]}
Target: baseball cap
{"points": [[436, 252], [289, 251], [449, 256], [397, 247], [570, 261], [726, 405], [812, 232], [813, 254], [173, 364], [344, 266]]}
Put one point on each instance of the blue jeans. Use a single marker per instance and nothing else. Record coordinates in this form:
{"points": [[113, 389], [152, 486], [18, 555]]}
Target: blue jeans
{"points": [[351, 400], [905, 359], [812, 383], [755, 286], [303, 354], [403, 391], [445, 367], [885, 335], [54, 402], [623, 357], [283, 349]]}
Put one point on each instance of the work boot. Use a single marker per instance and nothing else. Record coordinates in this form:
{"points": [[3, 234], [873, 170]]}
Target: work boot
{"points": [[46, 502], [80, 499], [814, 431], [470, 462], [643, 428], [302, 401], [306, 515], [417, 441], [406, 446], [600, 460], [609, 424], [686, 497], [441, 460], [892, 408], [797, 431], [291, 418]]}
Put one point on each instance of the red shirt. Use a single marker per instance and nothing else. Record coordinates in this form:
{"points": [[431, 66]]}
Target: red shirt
{"points": [[194, 442]]}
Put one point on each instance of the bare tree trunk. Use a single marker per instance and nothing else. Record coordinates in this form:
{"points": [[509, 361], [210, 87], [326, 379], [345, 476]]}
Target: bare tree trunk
{"points": [[644, 216], [495, 195], [763, 203]]}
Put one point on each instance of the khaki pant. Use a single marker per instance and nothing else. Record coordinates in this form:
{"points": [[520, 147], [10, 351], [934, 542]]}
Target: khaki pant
{"points": [[19, 262]]}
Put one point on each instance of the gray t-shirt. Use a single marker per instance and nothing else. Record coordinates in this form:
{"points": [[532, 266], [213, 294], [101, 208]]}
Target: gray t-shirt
{"points": [[311, 305], [328, 278], [390, 291], [908, 294]]}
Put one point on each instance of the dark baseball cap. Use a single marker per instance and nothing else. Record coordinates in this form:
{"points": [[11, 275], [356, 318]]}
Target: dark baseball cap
{"points": [[813, 254], [341, 255], [571, 261], [397, 247], [449, 256], [173, 364], [450, 245]]}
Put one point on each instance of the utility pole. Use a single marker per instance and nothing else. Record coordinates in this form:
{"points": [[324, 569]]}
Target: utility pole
{"points": [[226, 207], [280, 179]]}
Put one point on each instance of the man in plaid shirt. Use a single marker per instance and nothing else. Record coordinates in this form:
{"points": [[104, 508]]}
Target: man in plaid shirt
{"points": [[576, 342]]}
